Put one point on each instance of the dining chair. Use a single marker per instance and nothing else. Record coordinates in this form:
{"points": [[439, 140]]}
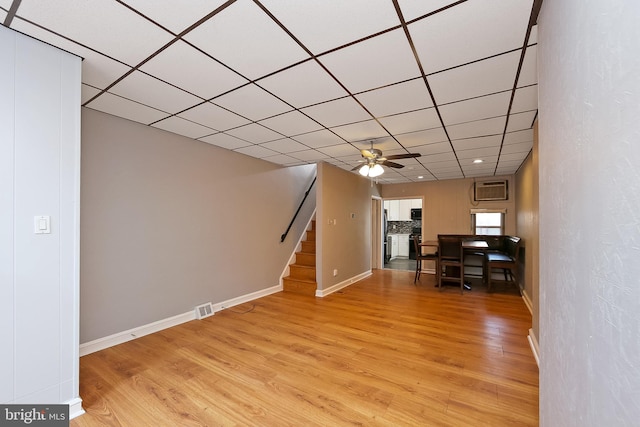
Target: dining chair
{"points": [[450, 267], [506, 260], [433, 256]]}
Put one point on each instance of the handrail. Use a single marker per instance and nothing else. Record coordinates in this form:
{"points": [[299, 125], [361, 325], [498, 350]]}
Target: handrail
{"points": [[284, 236]]}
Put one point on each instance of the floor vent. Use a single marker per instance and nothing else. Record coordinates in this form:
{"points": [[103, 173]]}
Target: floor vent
{"points": [[204, 310]]}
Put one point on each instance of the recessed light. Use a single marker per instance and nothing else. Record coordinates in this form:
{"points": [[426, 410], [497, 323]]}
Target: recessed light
{"points": [[478, 161], [420, 177]]}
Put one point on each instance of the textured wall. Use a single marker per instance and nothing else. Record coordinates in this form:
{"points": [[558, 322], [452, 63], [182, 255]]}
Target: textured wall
{"points": [[589, 144]]}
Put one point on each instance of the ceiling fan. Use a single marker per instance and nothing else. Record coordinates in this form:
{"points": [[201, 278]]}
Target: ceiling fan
{"points": [[374, 161]]}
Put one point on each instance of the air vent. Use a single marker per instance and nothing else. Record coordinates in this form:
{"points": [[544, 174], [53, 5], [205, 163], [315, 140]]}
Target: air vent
{"points": [[204, 310], [491, 190]]}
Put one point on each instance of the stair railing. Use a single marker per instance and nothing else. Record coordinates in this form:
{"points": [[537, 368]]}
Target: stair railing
{"points": [[284, 236]]}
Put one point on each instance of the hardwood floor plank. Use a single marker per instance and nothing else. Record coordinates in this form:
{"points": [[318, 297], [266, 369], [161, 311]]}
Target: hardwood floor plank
{"points": [[381, 352]]}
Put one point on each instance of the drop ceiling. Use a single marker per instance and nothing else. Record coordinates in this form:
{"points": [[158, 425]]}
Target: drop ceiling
{"points": [[301, 81]]}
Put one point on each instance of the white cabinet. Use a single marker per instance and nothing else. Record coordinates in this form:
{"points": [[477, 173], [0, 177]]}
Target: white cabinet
{"points": [[405, 210], [403, 245], [394, 245], [400, 210]]}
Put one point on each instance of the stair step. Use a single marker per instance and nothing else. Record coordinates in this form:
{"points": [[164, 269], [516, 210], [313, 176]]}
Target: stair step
{"points": [[311, 236], [309, 247], [304, 272], [304, 258], [304, 287]]}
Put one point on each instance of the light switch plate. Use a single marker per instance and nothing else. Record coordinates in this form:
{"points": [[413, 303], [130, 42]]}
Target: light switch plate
{"points": [[42, 224]]}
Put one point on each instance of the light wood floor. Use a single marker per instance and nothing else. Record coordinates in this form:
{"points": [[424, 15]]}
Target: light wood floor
{"points": [[381, 352]]}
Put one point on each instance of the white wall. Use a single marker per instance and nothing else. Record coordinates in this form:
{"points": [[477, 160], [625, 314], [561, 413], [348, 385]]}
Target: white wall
{"points": [[39, 175], [589, 147]]}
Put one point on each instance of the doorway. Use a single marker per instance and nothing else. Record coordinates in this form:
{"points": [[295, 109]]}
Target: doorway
{"points": [[402, 220]]}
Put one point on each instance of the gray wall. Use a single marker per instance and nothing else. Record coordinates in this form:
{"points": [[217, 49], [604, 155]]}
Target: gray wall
{"points": [[169, 223], [589, 147], [39, 175], [345, 244]]}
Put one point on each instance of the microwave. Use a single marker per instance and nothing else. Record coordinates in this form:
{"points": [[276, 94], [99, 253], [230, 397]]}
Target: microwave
{"points": [[416, 213]]}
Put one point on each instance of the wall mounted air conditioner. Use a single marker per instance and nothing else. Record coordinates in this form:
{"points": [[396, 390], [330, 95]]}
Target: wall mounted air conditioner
{"points": [[491, 190]]}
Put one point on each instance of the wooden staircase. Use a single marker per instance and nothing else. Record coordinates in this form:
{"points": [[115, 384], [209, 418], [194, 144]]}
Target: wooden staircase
{"points": [[302, 274]]}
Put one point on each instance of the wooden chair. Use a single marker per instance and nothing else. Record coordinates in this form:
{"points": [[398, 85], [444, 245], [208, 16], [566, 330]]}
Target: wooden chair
{"points": [[506, 260], [450, 268], [422, 257]]}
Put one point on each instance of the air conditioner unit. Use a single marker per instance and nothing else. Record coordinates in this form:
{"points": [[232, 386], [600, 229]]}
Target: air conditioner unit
{"points": [[491, 190]]}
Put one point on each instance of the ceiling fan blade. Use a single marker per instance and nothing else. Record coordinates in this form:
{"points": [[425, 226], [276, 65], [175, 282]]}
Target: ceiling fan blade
{"points": [[392, 164], [403, 156]]}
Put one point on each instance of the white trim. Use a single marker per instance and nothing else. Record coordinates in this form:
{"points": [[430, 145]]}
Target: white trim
{"points": [[75, 407], [343, 284], [527, 301], [535, 349], [140, 331]]}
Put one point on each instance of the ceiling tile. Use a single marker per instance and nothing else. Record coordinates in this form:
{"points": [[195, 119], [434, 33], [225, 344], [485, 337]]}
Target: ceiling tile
{"points": [[529, 71], [175, 16], [476, 109], [309, 155], [225, 141], [88, 92], [398, 98], [3, 15], [254, 133], [303, 85], [429, 149], [283, 159], [150, 91], [411, 122], [256, 151], [122, 107], [477, 79], [338, 112], [516, 157], [193, 71], [323, 25], [447, 156], [519, 136], [521, 147], [285, 145], [291, 123], [210, 115], [97, 69], [343, 149], [361, 131], [183, 127], [428, 136], [533, 37], [377, 62], [521, 121], [412, 9], [525, 99], [478, 128], [478, 153], [321, 138], [470, 31], [472, 143], [244, 37], [105, 26], [260, 106]]}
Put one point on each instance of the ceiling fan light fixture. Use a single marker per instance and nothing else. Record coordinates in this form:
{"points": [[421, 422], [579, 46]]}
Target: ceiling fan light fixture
{"points": [[376, 170], [364, 170]]}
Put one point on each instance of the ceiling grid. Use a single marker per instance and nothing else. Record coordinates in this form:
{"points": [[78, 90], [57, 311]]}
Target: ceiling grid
{"points": [[296, 82]]}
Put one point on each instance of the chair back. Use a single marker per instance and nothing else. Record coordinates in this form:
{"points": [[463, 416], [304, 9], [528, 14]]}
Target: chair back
{"points": [[449, 247]]}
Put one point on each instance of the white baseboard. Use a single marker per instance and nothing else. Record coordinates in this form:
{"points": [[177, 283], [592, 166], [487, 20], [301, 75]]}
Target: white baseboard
{"points": [[533, 342], [343, 284], [527, 301], [140, 331], [75, 407]]}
